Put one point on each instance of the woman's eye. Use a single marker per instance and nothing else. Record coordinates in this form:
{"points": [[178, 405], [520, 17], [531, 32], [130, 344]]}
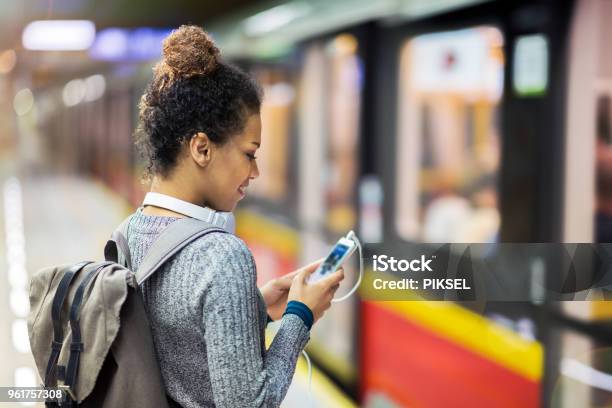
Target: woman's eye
{"points": [[251, 156]]}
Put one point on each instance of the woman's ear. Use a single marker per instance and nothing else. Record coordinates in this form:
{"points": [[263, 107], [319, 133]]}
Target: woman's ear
{"points": [[200, 149]]}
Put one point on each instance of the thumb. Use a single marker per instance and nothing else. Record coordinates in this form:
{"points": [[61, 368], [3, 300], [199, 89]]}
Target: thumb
{"points": [[334, 278], [309, 269]]}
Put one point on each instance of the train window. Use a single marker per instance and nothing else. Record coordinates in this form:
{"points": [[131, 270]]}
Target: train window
{"points": [[329, 94], [276, 116], [329, 121], [343, 122], [448, 142]]}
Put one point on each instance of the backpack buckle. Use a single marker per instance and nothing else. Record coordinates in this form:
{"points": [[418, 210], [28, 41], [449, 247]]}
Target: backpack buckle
{"points": [[67, 389], [61, 383]]}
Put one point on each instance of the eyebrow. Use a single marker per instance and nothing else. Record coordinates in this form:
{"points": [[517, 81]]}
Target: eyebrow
{"points": [[256, 144]]}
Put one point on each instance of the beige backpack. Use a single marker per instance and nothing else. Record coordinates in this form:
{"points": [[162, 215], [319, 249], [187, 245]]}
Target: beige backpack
{"points": [[88, 326]]}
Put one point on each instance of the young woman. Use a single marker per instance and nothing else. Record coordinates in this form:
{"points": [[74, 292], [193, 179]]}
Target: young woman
{"points": [[199, 131]]}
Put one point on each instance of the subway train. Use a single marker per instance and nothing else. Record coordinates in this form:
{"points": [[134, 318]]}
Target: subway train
{"points": [[408, 122]]}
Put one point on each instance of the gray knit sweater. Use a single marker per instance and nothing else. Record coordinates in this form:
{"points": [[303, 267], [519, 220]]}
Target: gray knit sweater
{"points": [[208, 319]]}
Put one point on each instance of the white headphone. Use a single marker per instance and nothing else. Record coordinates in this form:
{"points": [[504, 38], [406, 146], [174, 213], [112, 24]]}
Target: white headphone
{"points": [[219, 219]]}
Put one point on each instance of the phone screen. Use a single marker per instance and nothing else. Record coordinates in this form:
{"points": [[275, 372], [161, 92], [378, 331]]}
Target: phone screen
{"points": [[331, 262]]}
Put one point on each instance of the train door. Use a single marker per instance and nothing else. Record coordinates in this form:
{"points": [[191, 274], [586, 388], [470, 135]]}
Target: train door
{"points": [[328, 145], [305, 197], [271, 202], [581, 373], [466, 157]]}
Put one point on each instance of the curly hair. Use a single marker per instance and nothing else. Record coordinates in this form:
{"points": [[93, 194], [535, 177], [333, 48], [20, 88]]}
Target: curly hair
{"points": [[192, 91]]}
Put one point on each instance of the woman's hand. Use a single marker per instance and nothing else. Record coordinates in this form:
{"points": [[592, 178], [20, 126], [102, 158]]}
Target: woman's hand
{"points": [[275, 294], [318, 295]]}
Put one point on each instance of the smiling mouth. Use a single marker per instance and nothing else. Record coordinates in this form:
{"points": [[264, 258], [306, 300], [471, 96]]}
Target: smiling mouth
{"points": [[242, 191]]}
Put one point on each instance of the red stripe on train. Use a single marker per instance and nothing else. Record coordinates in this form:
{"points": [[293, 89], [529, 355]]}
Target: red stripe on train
{"points": [[415, 367]]}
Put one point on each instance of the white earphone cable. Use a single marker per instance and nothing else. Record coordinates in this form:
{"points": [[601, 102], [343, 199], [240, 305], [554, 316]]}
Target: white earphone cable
{"points": [[351, 235]]}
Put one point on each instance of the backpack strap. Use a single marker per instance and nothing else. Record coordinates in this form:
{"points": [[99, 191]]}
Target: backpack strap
{"points": [[56, 310], [174, 238], [117, 249], [76, 346]]}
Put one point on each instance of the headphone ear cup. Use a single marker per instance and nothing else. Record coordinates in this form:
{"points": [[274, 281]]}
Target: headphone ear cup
{"points": [[225, 220]]}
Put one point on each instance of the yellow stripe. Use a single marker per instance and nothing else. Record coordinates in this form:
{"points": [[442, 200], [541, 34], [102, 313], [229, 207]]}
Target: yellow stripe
{"points": [[322, 388], [339, 366], [276, 236], [600, 309], [474, 332], [464, 327]]}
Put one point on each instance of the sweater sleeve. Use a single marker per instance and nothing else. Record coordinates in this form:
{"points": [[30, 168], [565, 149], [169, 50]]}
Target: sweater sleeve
{"points": [[239, 374]]}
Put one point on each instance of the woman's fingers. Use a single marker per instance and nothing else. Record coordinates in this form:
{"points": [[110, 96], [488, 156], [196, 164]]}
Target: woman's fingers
{"points": [[284, 282], [291, 275], [311, 267], [304, 272], [333, 279]]}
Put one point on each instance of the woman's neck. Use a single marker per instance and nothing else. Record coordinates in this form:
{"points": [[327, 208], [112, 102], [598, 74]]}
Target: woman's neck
{"points": [[172, 188]]}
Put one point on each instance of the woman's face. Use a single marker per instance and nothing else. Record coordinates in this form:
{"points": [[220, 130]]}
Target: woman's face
{"points": [[232, 166]]}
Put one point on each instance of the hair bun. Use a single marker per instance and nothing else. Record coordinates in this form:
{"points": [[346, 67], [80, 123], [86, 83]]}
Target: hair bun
{"points": [[189, 51]]}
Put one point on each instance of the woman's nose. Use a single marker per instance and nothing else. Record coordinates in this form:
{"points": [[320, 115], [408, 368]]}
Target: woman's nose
{"points": [[254, 170]]}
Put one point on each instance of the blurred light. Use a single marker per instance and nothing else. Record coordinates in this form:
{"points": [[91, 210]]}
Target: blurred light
{"points": [[21, 341], [74, 92], [25, 377], [17, 273], [275, 18], [457, 61], [16, 250], [15, 239], [8, 59], [111, 44], [146, 43], [371, 198], [59, 35], [586, 374], [116, 44], [20, 302], [279, 94], [95, 86], [23, 102], [530, 73], [344, 44], [495, 36]]}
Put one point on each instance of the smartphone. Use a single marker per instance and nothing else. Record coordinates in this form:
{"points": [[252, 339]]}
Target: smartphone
{"points": [[339, 253]]}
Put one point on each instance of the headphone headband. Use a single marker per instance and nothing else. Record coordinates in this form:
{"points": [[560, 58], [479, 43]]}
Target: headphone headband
{"points": [[219, 219]]}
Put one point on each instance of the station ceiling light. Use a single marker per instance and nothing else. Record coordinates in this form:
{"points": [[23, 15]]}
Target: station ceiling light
{"points": [[59, 35], [275, 18]]}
